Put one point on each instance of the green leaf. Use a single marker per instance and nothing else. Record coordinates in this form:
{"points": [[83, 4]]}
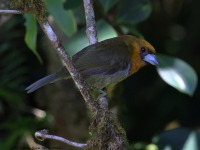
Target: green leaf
{"points": [[9, 95], [31, 34], [177, 73], [191, 142], [71, 4], [17, 128], [108, 4], [131, 29], [64, 19], [79, 40], [134, 11]]}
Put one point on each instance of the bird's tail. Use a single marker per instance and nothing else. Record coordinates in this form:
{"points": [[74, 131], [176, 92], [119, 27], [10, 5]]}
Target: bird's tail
{"points": [[61, 74]]}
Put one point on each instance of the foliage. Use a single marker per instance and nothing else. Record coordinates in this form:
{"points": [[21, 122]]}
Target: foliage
{"points": [[147, 104], [64, 18], [13, 77], [9, 87], [177, 73], [31, 34]]}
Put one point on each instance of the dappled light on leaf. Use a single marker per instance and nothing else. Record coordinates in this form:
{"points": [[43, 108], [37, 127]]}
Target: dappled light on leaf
{"points": [[177, 73], [191, 142]]}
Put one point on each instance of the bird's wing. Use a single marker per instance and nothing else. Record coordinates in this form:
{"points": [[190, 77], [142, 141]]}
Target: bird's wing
{"points": [[103, 58]]}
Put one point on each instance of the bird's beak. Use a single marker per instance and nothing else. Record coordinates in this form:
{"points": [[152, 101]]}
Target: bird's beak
{"points": [[151, 58]]}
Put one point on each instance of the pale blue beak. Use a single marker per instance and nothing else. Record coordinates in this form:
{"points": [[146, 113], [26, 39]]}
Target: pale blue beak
{"points": [[151, 58]]}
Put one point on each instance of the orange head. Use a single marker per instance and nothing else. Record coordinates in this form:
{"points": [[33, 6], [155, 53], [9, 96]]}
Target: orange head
{"points": [[142, 52]]}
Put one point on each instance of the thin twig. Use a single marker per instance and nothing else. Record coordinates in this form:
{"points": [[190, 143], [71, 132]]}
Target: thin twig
{"points": [[43, 134], [11, 12], [90, 22]]}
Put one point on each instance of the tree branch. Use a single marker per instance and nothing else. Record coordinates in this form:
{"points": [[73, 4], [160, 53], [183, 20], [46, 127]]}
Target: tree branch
{"points": [[90, 22], [11, 12], [43, 134]]}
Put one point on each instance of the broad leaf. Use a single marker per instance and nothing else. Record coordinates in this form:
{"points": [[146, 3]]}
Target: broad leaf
{"points": [[108, 4], [71, 4], [177, 139], [131, 29], [191, 142], [134, 11], [64, 18], [31, 34], [80, 40], [177, 73]]}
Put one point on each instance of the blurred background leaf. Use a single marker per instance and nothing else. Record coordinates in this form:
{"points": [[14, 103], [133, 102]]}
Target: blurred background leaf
{"points": [[179, 138], [79, 40], [192, 142], [31, 34], [177, 73], [134, 11], [108, 4], [72, 4], [64, 18], [15, 116]]}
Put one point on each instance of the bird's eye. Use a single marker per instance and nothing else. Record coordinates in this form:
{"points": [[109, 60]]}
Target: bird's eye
{"points": [[143, 50]]}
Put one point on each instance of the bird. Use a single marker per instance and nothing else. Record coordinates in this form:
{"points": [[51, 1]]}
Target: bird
{"points": [[106, 63]]}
